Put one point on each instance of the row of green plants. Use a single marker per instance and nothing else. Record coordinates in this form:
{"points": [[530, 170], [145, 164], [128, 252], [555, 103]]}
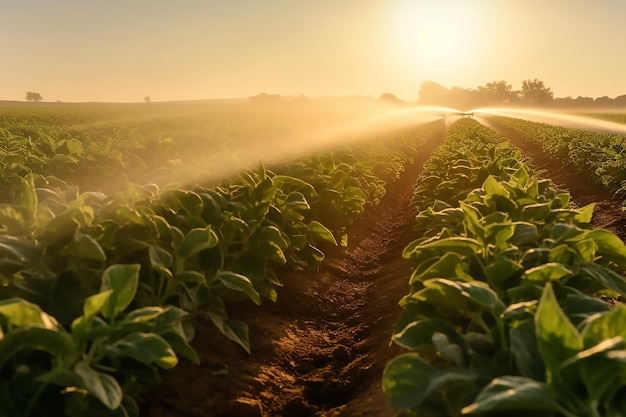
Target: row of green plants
{"points": [[99, 292], [602, 155], [512, 306], [611, 117], [103, 145]]}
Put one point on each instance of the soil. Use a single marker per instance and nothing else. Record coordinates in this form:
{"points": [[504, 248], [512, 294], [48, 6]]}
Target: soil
{"points": [[320, 350]]}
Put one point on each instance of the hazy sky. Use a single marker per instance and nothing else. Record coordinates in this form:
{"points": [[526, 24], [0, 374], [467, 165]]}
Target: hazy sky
{"points": [[123, 50]]}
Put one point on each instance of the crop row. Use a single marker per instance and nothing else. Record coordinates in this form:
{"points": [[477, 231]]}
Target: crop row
{"points": [[98, 292], [602, 155], [611, 117], [506, 311]]}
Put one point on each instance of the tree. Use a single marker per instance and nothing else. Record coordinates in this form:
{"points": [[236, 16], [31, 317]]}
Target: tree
{"points": [[433, 93], [536, 92], [497, 92], [147, 99], [391, 99], [36, 97]]}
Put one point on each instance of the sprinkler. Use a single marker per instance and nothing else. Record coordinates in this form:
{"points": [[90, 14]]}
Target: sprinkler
{"points": [[467, 114]]}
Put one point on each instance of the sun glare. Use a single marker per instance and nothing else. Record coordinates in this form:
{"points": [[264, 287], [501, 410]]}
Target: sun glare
{"points": [[435, 36]]}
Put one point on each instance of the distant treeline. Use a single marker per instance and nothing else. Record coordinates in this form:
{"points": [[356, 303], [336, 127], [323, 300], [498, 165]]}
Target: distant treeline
{"points": [[500, 93]]}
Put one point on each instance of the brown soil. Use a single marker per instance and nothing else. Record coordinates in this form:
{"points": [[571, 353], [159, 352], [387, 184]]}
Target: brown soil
{"points": [[320, 350]]}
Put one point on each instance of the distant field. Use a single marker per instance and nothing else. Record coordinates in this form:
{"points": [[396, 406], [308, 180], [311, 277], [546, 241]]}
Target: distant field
{"points": [[165, 142], [611, 117]]}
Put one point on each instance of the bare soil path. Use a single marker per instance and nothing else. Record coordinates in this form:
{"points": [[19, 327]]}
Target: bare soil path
{"points": [[321, 348]]}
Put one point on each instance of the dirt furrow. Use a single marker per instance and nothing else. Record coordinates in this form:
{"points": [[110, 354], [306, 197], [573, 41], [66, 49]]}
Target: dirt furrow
{"points": [[321, 348]]}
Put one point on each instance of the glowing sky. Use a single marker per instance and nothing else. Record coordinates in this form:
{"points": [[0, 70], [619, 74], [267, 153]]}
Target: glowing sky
{"points": [[123, 50]]}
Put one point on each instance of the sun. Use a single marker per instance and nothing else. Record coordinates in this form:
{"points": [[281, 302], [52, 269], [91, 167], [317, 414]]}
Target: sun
{"points": [[436, 36]]}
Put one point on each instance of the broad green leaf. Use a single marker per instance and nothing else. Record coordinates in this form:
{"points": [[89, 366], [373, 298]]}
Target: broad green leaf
{"points": [[147, 348], [160, 256], [550, 271], [29, 196], [449, 265], [607, 278], [96, 303], [56, 342], [609, 246], [408, 380], [587, 249], [273, 234], [238, 282], [319, 231], [197, 240], [602, 368], [449, 351], [557, 338], [535, 212], [235, 330], [297, 201], [524, 234], [471, 220], [475, 292], [604, 326], [460, 245], [510, 393], [295, 184], [85, 246], [585, 213], [273, 252], [418, 333], [524, 349], [18, 312], [123, 280], [102, 386], [498, 272], [144, 314], [493, 187]]}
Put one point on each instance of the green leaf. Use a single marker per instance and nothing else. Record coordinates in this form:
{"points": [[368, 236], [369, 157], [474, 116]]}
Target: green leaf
{"points": [[493, 187], [235, 330], [197, 240], [420, 332], [408, 380], [449, 351], [550, 271], [146, 348], [460, 245], [585, 213], [609, 246], [102, 386], [319, 231], [604, 326], [84, 246], [19, 312], [160, 256], [238, 282], [557, 338], [123, 280], [604, 276], [462, 293], [510, 393], [297, 201], [537, 211], [56, 342], [524, 349], [449, 265]]}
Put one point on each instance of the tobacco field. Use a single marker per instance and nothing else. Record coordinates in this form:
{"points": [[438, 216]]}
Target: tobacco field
{"points": [[213, 259]]}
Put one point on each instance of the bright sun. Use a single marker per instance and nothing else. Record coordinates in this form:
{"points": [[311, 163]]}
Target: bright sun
{"points": [[436, 36]]}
